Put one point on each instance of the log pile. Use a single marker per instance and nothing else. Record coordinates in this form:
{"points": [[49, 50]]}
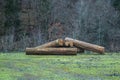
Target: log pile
{"points": [[68, 46]]}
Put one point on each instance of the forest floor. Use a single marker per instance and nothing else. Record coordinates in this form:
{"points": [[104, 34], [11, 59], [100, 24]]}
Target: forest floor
{"points": [[18, 66]]}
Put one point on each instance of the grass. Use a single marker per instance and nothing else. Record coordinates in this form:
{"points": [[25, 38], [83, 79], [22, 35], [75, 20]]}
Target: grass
{"points": [[18, 66]]}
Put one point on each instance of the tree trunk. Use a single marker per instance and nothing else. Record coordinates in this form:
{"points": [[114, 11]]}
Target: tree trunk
{"points": [[87, 46], [51, 51], [55, 43]]}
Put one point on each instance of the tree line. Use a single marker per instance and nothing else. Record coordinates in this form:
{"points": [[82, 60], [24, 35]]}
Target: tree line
{"points": [[28, 23]]}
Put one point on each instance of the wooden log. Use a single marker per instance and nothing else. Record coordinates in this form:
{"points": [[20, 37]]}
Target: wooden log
{"points": [[68, 43], [87, 46], [55, 43], [71, 44], [51, 51]]}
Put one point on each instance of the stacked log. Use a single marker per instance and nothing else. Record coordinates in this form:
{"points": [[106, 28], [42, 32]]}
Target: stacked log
{"points": [[68, 46], [68, 43], [51, 51], [86, 46], [55, 43]]}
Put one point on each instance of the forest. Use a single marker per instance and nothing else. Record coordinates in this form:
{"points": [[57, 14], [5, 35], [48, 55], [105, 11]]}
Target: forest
{"points": [[28, 23]]}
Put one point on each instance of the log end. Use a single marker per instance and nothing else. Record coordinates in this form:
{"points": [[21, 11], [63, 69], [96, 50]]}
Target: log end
{"points": [[60, 42]]}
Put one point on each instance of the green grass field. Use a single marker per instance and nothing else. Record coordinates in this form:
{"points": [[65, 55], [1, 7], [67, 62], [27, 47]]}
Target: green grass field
{"points": [[18, 66]]}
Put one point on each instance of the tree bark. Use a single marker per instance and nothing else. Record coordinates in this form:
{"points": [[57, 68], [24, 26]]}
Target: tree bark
{"points": [[51, 51], [55, 43], [86, 46]]}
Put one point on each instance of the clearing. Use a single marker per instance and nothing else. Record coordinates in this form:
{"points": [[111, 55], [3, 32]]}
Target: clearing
{"points": [[18, 66]]}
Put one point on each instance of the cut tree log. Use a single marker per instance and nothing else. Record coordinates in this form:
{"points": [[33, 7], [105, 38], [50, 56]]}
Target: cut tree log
{"points": [[55, 43], [68, 43], [51, 51], [87, 46]]}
